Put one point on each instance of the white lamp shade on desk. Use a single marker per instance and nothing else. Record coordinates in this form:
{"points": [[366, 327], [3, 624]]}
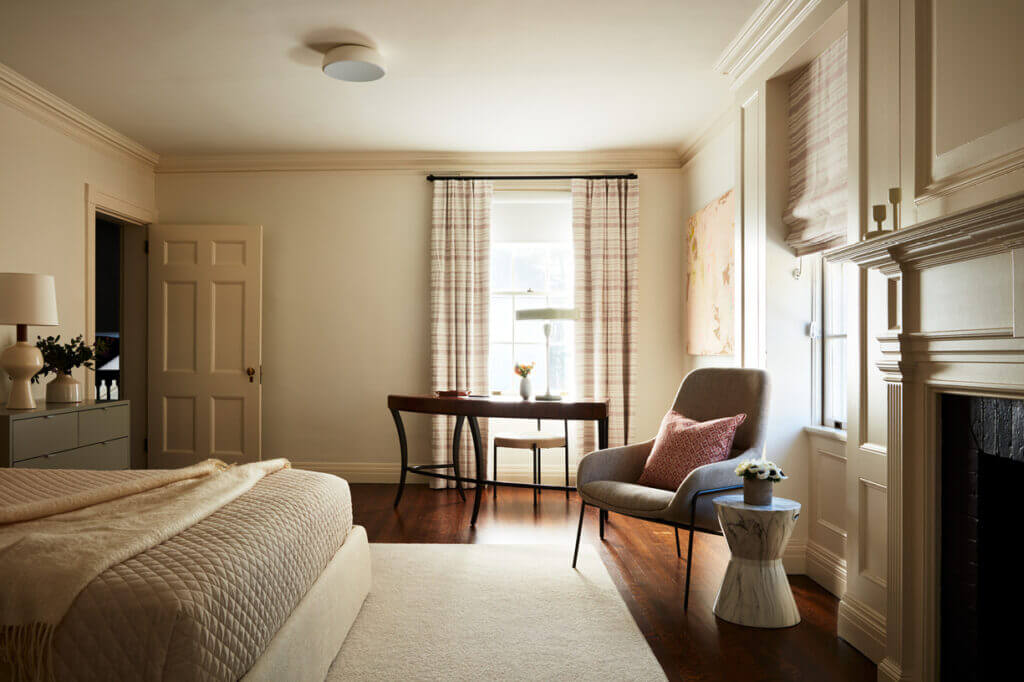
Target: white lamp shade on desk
{"points": [[25, 299], [548, 314]]}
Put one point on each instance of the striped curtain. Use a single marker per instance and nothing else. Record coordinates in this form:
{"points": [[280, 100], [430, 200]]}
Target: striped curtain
{"points": [[606, 235], [460, 291], [816, 210]]}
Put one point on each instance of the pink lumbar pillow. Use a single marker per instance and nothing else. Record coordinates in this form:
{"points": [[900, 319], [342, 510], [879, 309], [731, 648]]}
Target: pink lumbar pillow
{"points": [[683, 444]]}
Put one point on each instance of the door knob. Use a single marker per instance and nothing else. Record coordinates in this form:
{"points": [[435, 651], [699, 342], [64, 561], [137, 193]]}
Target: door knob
{"points": [[251, 372]]}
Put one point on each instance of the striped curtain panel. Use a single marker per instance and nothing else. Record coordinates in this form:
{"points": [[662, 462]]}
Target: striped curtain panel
{"points": [[606, 235], [816, 210], [460, 291]]}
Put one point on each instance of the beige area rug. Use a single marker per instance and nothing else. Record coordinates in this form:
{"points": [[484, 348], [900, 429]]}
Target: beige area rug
{"points": [[492, 612]]}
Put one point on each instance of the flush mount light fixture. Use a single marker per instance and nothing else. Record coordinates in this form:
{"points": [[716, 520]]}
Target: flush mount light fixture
{"points": [[354, 63]]}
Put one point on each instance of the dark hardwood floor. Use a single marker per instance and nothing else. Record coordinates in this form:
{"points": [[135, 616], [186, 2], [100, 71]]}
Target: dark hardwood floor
{"points": [[641, 558]]}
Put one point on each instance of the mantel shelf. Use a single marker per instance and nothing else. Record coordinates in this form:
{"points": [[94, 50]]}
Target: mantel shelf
{"points": [[995, 227]]}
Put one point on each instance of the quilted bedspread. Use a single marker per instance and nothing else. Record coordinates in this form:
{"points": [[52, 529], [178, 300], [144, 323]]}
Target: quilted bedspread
{"points": [[205, 604]]}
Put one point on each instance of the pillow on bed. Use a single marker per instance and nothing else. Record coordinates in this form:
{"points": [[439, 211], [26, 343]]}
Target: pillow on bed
{"points": [[683, 444]]}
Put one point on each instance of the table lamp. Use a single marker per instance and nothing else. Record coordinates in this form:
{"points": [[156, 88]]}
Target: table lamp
{"points": [[25, 299], [548, 315]]}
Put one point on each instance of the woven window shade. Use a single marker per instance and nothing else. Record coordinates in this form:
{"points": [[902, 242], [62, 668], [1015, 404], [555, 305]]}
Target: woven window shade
{"points": [[816, 210]]}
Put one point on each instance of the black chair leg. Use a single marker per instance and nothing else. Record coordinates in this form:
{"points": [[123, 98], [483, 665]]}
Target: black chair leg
{"points": [[689, 565], [534, 451], [494, 472], [679, 553], [602, 515], [579, 531]]}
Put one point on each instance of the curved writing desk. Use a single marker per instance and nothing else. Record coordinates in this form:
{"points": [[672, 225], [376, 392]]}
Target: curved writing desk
{"points": [[472, 408]]}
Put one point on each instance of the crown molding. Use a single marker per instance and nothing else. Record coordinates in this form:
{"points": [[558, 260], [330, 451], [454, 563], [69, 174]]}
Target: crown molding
{"points": [[991, 228], [42, 104], [534, 162], [772, 22]]}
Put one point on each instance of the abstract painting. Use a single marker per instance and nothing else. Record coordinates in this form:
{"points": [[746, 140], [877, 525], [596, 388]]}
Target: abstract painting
{"points": [[711, 240]]}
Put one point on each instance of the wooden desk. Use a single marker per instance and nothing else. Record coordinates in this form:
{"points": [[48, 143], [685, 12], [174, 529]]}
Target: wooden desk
{"points": [[472, 408]]}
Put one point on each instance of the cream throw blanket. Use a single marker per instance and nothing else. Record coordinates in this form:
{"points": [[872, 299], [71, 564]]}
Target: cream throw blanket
{"points": [[51, 548]]}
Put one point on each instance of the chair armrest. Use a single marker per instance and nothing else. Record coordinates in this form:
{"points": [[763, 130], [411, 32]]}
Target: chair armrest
{"points": [[708, 477], [623, 464]]}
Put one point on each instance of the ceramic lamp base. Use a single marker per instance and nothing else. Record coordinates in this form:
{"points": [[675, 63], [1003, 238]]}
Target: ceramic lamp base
{"points": [[21, 362]]}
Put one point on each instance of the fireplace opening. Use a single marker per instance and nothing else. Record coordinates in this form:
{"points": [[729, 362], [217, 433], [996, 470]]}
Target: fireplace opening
{"points": [[982, 476]]}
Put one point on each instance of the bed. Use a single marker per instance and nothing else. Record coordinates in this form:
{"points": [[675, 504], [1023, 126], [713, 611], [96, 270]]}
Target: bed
{"points": [[265, 588]]}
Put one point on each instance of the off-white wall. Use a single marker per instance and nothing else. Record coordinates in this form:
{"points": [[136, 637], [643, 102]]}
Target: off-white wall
{"points": [[43, 174], [709, 174], [346, 303]]}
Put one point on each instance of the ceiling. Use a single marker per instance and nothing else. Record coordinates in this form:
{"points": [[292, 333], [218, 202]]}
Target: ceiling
{"points": [[233, 76]]}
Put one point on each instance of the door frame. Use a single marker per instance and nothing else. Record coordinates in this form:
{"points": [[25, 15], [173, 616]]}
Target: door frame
{"points": [[116, 207]]}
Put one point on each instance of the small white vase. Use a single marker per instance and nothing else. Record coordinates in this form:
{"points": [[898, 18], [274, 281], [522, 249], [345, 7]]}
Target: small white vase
{"points": [[525, 388], [64, 389], [757, 492]]}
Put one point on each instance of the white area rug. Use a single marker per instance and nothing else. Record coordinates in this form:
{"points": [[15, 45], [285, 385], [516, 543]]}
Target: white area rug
{"points": [[492, 612]]}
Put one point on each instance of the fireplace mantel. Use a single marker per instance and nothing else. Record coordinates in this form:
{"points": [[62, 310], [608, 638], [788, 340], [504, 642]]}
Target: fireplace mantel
{"points": [[954, 307], [968, 234]]}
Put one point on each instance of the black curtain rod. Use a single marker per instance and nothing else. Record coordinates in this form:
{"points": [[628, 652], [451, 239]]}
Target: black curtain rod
{"points": [[618, 176]]}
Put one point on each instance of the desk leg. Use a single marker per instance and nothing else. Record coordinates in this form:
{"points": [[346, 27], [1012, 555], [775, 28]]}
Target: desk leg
{"points": [[455, 455], [602, 434], [481, 466], [404, 445]]}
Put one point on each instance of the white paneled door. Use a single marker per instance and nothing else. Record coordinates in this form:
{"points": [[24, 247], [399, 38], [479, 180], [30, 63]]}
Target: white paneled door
{"points": [[205, 349]]}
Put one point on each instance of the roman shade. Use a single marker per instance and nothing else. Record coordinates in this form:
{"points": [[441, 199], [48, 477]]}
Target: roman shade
{"points": [[816, 209]]}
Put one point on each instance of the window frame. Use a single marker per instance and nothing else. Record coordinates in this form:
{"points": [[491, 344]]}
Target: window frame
{"points": [[819, 343]]}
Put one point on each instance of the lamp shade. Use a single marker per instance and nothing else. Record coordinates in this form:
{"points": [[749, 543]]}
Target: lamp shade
{"points": [[548, 314], [27, 298]]}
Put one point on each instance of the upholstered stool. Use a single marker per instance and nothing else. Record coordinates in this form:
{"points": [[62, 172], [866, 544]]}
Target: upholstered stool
{"points": [[535, 442]]}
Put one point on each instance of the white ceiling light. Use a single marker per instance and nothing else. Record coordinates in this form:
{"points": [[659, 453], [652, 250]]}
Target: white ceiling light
{"points": [[355, 63]]}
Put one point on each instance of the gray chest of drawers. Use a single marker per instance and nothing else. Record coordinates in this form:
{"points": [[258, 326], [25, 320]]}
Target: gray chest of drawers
{"points": [[88, 435]]}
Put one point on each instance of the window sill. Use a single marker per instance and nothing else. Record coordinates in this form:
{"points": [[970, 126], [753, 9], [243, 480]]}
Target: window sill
{"points": [[826, 432]]}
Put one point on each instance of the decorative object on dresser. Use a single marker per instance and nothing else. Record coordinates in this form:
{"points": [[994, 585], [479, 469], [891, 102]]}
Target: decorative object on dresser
{"points": [[86, 435], [25, 299], [608, 479], [548, 315], [525, 387], [60, 359], [755, 591], [758, 477]]}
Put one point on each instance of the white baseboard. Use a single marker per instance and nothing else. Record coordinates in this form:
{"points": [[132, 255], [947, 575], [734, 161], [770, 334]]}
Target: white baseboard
{"points": [[890, 671], [826, 568], [388, 472], [794, 558], [863, 627]]}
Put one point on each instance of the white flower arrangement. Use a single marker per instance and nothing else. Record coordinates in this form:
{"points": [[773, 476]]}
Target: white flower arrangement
{"points": [[760, 469]]}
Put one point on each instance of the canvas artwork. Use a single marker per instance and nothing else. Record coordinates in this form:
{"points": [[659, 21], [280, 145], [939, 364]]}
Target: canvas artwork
{"points": [[710, 278]]}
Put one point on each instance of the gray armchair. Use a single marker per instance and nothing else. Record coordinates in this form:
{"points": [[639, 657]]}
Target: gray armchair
{"points": [[606, 479]]}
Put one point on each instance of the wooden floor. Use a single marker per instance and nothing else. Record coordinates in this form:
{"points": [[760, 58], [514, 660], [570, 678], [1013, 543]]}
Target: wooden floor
{"points": [[641, 558]]}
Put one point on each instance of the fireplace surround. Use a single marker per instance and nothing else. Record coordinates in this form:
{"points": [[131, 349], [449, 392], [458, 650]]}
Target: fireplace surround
{"points": [[955, 311]]}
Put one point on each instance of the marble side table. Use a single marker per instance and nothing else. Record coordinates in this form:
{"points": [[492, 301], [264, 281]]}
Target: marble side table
{"points": [[755, 591]]}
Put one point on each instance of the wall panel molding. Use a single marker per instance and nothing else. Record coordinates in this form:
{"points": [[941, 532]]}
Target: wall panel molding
{"points": [[863, 627], [826, 568]]}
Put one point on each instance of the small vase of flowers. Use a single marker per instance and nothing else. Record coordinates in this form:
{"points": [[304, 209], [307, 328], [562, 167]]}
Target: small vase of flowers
{"points": [[758, 477], [525, 387], [60, 359]]}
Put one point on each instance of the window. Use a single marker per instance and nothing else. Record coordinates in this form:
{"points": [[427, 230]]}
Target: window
{"points": [[531, 267], [828, 334]]}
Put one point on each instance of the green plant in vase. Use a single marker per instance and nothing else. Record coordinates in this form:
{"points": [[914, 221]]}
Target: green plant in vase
{"points": [[61, 359]]}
